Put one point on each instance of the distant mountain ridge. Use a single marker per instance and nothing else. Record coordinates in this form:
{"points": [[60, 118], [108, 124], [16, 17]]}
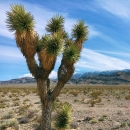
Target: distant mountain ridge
{"points": [[115, 77]]}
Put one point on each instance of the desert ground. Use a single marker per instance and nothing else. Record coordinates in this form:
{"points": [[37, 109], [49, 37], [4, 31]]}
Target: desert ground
{"points": [[94, 107]]}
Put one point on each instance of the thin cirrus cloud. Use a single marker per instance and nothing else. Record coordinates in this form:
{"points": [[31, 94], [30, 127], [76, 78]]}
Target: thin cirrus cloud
{"points": [[3, 28], [97, 61], [114, 53], [119, 8], [10, 51], [40, 20]]}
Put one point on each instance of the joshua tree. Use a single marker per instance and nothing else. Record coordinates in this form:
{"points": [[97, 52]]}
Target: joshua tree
{"points": [[47, 49]]}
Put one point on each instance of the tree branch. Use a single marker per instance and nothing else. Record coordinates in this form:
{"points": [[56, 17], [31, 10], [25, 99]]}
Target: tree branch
{"points": [[65, 72], [48, 86], [32, 66]]}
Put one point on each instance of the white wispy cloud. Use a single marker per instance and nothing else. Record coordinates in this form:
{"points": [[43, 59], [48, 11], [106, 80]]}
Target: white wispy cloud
{"points": [[26, 75], [3, 29], [53, 75], [115, 53], [10, 51], [41, 16], [112, 42], [97, 61], [119, 8], [93, 32]]}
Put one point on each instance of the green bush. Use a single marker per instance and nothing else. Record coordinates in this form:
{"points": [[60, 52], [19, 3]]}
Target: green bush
{"points": [[9, 123], [63, 117], [95, 94], [101, 119], [127, 97]]}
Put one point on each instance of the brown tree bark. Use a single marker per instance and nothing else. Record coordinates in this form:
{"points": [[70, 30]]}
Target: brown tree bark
{"points": [[46, 104], [46, 115]]}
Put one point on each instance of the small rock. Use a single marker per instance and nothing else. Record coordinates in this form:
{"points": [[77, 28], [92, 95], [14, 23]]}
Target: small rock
{"points": [[78, 128], [116, 125], [87, 119], [79, 120], [23, 120], [37, 102], [74, 125]]}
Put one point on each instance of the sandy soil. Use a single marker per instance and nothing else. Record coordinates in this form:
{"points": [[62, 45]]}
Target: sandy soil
{"points": [[111, 109]]}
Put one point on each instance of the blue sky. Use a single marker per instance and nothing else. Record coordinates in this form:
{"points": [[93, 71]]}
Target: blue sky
{"points": [[108, 44]]}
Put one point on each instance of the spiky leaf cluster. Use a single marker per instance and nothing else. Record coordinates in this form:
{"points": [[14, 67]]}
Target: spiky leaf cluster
{"points": [[71, 54], [42, 43], [54, 45], [55, 24], [69, 42], [79, 31], [18, 19]]}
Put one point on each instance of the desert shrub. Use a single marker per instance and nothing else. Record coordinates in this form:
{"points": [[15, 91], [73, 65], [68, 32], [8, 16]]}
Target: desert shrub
{"points": [[99, 100], [104, 115], [74, 93], [7, 116], [63, 117], [82, 99], [127, 97], [118, 96], [123, 124], [5, 92], [85, 92], [14, 94], [2, 105], [10, 96], [16, 104], [10, 123], [26, 100], [93, 121], [16, 99], [2, 95], [34, 91], [92, 102], [75, 100], [54, 105], [23, 95], [39, 119], [95, 94], [101, 119], [1, 100], [23, 109], [30, 114], [63, 91]]}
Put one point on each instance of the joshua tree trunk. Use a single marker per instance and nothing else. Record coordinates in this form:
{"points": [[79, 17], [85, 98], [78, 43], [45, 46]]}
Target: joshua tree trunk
{"points": [[46, 104], [46, 115]]}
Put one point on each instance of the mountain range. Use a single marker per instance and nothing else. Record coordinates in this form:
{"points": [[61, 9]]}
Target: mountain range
{"points": [[115, 77]]}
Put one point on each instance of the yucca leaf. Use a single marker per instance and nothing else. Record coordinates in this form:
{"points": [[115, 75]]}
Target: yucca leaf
{"points": [[71, 54], [79, 31], [18, 19], [55, 24], [54, 45], [42, 43], [69, 42]]}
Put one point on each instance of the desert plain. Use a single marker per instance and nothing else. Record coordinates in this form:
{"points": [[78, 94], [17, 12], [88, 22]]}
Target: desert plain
{"points": [[94, 107]]}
